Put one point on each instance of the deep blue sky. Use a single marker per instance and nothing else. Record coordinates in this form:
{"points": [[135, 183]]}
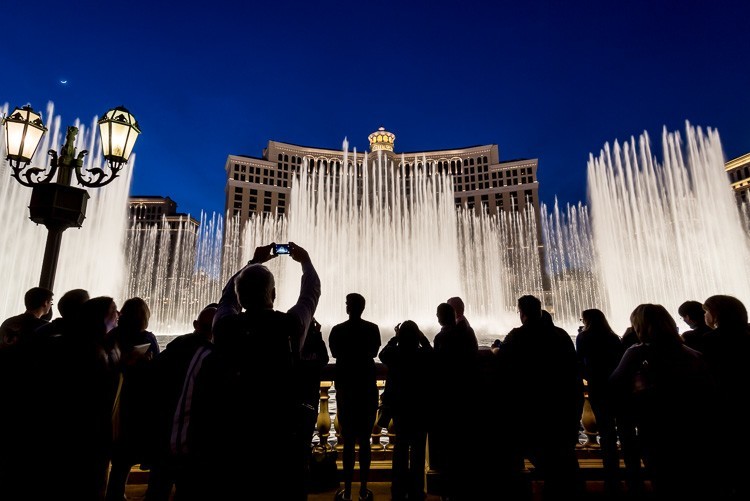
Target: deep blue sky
{"points": [[551, 80]]}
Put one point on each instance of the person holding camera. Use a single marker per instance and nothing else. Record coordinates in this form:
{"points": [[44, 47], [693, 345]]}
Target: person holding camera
{"points": [[249, 409]]}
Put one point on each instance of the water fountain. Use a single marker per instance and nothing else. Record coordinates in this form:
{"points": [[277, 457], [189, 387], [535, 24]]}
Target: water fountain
{"points": [[658, 232], [652, 232]]}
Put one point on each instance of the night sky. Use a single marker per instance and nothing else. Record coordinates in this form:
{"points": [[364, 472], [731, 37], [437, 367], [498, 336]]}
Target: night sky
{"points": [[547, 80]]}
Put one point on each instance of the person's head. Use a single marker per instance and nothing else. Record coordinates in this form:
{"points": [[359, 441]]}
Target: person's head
{"points": [[256, 287], [134, 315], [355, 305], [595, 320], [99, 315], [446, 315], [726, 312], [408, 335], [38, 300], [691, 313], [529, 308], [71, 302], [654, 325], [202, 324], [458, 305]]}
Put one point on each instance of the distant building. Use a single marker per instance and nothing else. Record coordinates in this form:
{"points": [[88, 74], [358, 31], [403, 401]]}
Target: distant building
{"points": [[160, 246], [147, 210], [738, 171], [262, 185]]}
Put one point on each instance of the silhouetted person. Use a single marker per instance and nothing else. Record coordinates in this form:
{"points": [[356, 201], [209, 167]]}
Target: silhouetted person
{"points": [[408, 357], [669, 389], [462, 323], [599, 352], [626, 430], [538, 365], [693, 315], [132, 419], [727, 351], [69, 306], [355, 344], [456, 375], [247, 405], [175, 371], [19, 328]]}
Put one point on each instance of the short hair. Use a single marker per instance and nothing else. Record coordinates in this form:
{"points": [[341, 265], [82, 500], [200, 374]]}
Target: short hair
{"points": [[36, 297], [692, 309], [71, 302], [255, 287], [457, 304], [134, 314], [530, 306], [446, 314], [654, 325], [356, 303], [728, 311]]}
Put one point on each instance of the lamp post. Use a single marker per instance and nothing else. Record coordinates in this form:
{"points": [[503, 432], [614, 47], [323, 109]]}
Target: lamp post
{"points": [[58, 205]]}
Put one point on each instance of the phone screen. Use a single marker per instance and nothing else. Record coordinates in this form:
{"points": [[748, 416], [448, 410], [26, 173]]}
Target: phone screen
{"points": [[281, 249]]}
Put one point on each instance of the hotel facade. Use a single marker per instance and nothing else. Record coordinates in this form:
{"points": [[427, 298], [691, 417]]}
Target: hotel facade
{"points": [[481, 182]]}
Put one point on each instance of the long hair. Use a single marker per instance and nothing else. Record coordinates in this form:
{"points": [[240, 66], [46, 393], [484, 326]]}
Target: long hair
{"points": [[654, 325], [595, 320]]}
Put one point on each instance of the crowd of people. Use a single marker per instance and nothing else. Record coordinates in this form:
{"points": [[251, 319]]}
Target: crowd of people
{"points": [[94, 384]]}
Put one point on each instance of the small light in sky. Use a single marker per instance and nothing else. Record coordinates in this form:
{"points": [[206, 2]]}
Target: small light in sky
{"points": [[63, 82]]}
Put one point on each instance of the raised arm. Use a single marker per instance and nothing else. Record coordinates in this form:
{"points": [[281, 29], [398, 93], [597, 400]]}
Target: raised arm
{"points": [[309, 293]]}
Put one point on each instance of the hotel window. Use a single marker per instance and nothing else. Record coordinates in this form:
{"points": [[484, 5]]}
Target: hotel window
{"points": [[238, 196], [253, 191], [266, 208], [253, 207], [528, 196]]}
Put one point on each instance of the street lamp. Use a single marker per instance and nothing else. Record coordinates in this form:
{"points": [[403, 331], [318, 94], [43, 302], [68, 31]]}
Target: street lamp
{"points": [[59, 205]]}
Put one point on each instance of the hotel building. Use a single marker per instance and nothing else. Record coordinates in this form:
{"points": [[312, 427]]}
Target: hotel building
{"points": [[262, 185]]}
